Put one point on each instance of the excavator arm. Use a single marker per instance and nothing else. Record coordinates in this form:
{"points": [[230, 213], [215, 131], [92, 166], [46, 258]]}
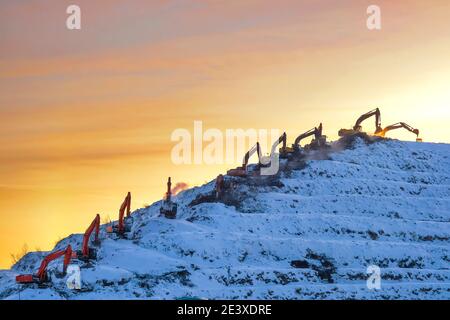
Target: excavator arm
{"points": [[41, 275], [399, 125]]}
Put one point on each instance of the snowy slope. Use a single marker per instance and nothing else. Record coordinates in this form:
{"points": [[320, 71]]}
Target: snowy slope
{"points": [[309, 233]]}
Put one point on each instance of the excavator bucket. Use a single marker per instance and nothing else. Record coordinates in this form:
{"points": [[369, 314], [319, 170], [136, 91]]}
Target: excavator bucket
{"points": [[419, 140]]}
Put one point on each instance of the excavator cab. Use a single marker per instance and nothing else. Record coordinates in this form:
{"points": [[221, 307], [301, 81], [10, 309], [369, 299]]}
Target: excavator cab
{"points": [[357, 128], [169, 208]]}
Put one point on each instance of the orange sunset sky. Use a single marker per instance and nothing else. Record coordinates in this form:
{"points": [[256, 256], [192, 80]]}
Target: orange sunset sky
{"points": [[86, 115]]}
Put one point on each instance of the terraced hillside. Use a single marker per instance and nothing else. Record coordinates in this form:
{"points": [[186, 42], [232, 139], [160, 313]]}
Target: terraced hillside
{"points": [[308, 233]]}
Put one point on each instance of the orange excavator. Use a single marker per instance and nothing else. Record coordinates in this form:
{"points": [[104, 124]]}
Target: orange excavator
{"points": [[86, 253], [357, 128], [126, 205], [168, 207], [242, 171], [399, 125], [42, 276]]}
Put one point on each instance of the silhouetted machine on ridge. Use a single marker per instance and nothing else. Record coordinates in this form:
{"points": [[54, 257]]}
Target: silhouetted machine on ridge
{"points": [[168, 207], [357, 128], [317, 142]]}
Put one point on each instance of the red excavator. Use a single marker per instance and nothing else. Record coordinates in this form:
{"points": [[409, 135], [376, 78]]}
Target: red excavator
{"points": [[126, 205], [399, 125], [41, 276], [357, 128], [86, 253], [169, 208], [242, 171]]}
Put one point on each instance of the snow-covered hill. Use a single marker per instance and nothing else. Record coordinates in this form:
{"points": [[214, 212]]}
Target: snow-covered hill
{"points": [[309, 233]]}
